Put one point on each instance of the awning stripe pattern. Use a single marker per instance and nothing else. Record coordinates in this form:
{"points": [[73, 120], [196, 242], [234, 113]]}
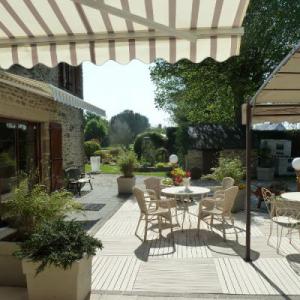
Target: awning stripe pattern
{"points": [[73, 31]]}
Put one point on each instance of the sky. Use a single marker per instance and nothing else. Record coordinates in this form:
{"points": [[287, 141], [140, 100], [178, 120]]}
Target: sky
{"points": [[115, 87]]}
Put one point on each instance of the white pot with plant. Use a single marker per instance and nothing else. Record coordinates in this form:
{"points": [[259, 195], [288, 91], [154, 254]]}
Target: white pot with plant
{"points": [[57, 261], [26, 208], [127, 162]]}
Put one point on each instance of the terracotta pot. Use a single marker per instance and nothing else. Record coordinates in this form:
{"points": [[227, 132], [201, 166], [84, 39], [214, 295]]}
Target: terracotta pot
{"points": [[55, 283], [11, 273], [125, 184]]}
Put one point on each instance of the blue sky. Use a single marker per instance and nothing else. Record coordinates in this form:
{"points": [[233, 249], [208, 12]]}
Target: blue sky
{"points": [[115, 87]]}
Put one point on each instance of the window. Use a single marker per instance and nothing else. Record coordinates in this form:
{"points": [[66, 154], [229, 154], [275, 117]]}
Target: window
{"points": [[19, 152]]}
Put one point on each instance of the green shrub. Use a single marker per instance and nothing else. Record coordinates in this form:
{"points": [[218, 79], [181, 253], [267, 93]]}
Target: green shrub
{"points": [[157, 139], [160, 165], [90, 147], [228, 167], [27, 208], [58, 243], [127, 162], [115, 152]]}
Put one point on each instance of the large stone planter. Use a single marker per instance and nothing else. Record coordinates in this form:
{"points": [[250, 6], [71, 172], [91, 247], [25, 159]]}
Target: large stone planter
{"points": [[55, 283], [240, 201], [265, 173], [125, 184], [11, 273]]}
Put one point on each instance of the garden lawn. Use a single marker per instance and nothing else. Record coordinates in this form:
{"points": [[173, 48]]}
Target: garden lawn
{"points": [[109, 169]]}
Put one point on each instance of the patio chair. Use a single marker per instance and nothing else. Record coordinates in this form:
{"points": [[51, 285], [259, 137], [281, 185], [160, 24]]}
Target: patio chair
{"points": [[285, 214], [227, 182], [76, 179], [148, 213], [154, 184], [219, 206]]}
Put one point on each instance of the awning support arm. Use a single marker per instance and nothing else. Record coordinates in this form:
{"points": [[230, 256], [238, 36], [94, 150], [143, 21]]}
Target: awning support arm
{"points": [[100, 5]]}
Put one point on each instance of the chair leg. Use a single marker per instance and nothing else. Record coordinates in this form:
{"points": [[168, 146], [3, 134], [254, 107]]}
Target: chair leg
{"points": [[90, 184], [146, 228], [270, 233], [159, 219], [223, 225], [138, 224]]}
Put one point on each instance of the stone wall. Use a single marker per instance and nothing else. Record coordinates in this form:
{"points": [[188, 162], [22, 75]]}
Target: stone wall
{"points": [[22, 105]]}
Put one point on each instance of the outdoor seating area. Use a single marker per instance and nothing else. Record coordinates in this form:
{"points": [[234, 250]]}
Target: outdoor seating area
{"points": [[161, 255]]}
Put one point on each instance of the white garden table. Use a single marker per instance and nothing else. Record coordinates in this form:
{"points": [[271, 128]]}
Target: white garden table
{"points": [[183, 195], [291, 196]]}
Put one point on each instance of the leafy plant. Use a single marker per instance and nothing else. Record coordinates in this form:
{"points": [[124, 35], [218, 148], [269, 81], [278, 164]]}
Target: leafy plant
{"points": [[27, 207], [90, 147], [58, 243], [227, 167], [265, 157], [127, 163]]}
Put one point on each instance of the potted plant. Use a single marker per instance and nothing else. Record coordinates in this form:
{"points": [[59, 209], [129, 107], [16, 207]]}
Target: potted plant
{"points": [[25, 209], [231, 167], [127, 162], [265, 169], [57, 261]]}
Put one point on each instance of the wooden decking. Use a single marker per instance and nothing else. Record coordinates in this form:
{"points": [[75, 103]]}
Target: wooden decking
{"points": [[197, 262]]}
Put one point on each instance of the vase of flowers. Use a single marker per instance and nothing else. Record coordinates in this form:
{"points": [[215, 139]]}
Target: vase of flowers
{"points": [[181, 177]]}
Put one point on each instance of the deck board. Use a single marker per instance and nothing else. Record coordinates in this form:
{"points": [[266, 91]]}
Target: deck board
{"points": [[197, 262]]}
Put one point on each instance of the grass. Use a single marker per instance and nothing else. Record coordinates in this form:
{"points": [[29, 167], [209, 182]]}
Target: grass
{"points": [[108, 169]]}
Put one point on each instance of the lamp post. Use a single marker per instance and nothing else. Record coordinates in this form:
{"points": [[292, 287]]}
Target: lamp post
{"points": [[296, 166]]}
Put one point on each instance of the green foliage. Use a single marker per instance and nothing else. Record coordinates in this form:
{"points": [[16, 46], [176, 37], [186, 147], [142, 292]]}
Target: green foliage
{"points": [[58, 243], [212, 92], [228, 167], [90, 147], [95, 129], [196, 173], [161, 154], [157, 139], [27, 208], [127, 162], [265, 158]]}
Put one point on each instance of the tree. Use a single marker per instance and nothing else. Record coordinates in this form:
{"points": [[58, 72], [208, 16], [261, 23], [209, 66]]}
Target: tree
{"points": [[135, 121], [95, 129], [212, 92], [120, 133]]}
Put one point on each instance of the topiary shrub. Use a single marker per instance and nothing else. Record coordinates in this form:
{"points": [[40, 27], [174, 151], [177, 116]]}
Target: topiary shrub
{"points": [[90, 147], [58, 243], [157, 139]]}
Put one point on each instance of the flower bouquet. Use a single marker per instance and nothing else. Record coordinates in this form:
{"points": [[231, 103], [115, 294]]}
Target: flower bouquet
{"points": [[181, 177]]}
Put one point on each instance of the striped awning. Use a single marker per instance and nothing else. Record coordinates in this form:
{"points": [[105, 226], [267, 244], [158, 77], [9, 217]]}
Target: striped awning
{"points": [[278, 99], [73, 31]]}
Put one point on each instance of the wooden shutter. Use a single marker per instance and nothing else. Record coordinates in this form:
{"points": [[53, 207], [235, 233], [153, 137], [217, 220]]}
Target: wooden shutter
{"points": [[56, 160]]}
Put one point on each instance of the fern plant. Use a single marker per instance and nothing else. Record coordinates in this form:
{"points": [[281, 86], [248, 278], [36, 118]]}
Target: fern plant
{"points": [[27, 207], [58, 243]]}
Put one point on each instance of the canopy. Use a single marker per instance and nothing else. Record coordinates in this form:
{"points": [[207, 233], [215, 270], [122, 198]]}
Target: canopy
{"points": [[278, 99], [73, 31], [49, 91]]}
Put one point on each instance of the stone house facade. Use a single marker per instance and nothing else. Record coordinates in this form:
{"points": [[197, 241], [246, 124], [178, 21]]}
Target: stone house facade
{"points": [[37, 132]]}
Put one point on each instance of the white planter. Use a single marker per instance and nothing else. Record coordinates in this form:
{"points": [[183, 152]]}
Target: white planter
{"points": [[95, 164], [240, 201], [57, 284], [11, 273], [265, 173], [125, 184]]}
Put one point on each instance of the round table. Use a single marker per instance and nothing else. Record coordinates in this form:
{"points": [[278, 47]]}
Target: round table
{"points": [[291, 196], [180, 193]]}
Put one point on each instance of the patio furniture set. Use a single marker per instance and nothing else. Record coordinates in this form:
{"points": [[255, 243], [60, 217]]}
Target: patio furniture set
{"points": [[162, 204]]}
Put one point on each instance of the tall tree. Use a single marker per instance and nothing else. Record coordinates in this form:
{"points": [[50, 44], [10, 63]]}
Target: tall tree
{"points": [[135, 123], [95, 128], [213, 92]]}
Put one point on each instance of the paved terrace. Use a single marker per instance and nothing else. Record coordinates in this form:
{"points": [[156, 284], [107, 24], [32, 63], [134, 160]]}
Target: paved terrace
{"points": [[196, 264]]}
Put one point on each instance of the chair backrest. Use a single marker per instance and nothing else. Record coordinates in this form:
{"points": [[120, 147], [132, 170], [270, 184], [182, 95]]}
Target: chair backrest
{"points": [[140, 197], [227, 182], [153, 183], [268, 197], [229, 198], [73, 173]]}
